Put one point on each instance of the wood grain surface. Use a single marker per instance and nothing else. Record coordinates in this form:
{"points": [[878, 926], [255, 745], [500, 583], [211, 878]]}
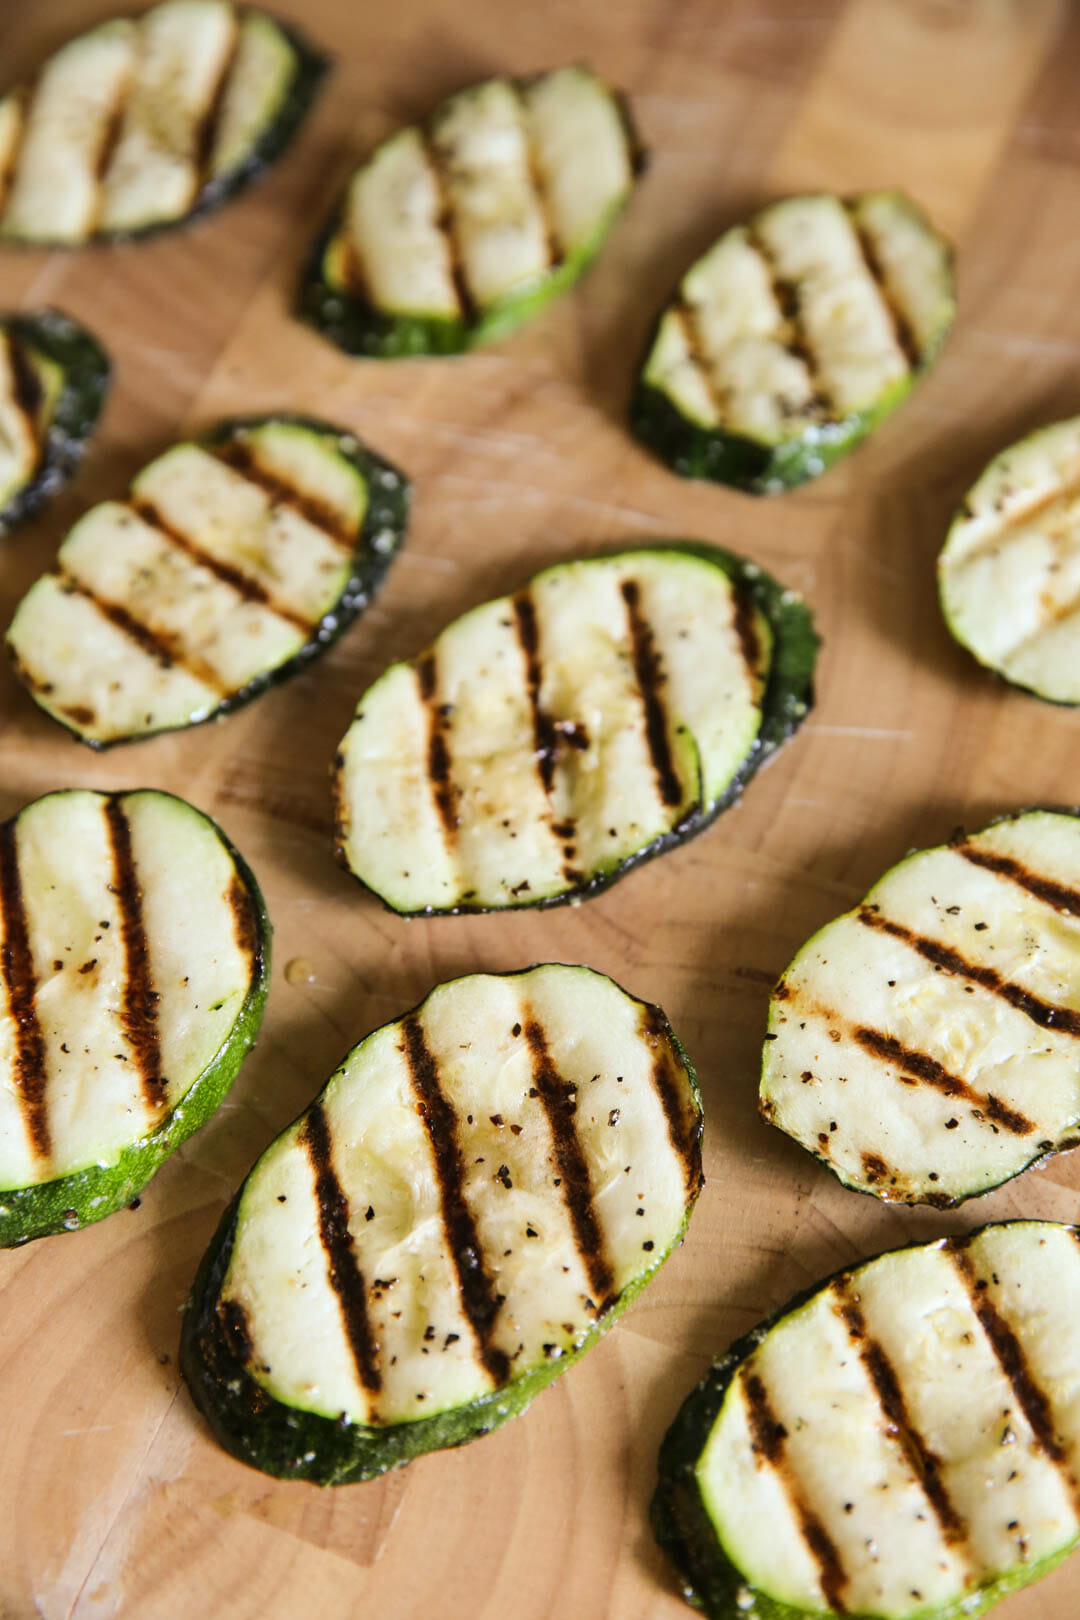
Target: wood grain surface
{"points": [[114, 1500]]}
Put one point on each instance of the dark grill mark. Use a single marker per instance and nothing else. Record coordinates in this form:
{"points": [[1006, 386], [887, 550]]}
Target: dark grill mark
{"points": [[560, 1105], [1053, 894], [1009, 1352], [539, 188], [903, 331], [788, 300], [242, 459], [17, 965], [250, 589], [448, 226], [245, 921], [668, 1078], [768, 1437], [164, 648], [649, 670], [479, 1299], [874, 1167], [545, 738], [443, 787], [921, 1066], [1043, 1013], [205, 131], [111, 131], [346, 1278], [27, 394], [7, 173], [139, 1006], [237, 1329], [925, 1464], [745, 627], [687, 317]]}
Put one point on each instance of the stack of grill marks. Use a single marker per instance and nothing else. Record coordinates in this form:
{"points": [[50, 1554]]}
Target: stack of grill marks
{"points": [[105, 1023], [485, 1178], [907, 1435], [218, 568], [549, 737]]}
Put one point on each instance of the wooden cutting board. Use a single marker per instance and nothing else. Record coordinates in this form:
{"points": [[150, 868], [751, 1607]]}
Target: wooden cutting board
{"points": [[114, 1501]]}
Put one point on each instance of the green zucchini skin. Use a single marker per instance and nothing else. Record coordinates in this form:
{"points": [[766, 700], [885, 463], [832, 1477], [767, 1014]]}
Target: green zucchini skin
{"points": [[86, 370], [378, 542], [89, 1195], [364, 331], [288, 1443], [708, 1580], [786, 702], [312, 66]]}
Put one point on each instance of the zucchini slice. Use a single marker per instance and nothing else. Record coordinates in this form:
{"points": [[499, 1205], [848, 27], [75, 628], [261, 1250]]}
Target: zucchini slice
{"points": [[53, 379], [902, 1441], [232, 562], [481, 1188], [1009, 573], [142, 122], [924, 1045], [548, 741], [794, 336], [454, 231], [133, 971]]}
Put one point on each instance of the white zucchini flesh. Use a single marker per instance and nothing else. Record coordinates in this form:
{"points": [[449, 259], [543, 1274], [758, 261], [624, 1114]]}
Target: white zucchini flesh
{"points": [[55, 188], [531, 748], [184, 49], [1009, 573], [925, 1044], [128, 948], [816, 310], [511, 179], [911, 1434], [127, 124], [440, 1113], [213, 573]]}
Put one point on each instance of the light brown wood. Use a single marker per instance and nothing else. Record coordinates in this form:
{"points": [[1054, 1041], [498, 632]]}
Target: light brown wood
{"points": [[114, 1500]]}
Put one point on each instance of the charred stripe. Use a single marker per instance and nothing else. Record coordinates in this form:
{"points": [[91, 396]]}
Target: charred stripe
{"points": [[164, 648], [649, 671], [346, 1278], [26, 391], [250, 589], [479, 1299], [921, 1066], [545, 738], [241, 459], [20, 980], [448, 226], [443, 787], [1058, 895], [1044, 1013], [205, 131], [768, 1439], [744, 624], [559, 1099], [667, 1074], [139, 1006], [7, 174], [788, 300], [924, 1463], [903, 331], [687, 317], [538, 184]]}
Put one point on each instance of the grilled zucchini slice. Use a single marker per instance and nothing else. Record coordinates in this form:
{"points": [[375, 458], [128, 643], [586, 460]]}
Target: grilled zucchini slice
{"points": [[902, 1441], [453, 232], [53, 380], [924, 1045], [550, 740], [142, 122], [133, 971], [1009, 573], [793, 337], [232, 562], [481, 1188]]}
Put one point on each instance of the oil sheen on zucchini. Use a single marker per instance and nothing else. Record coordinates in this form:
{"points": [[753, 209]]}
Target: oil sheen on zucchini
{"points": [[794, 336], [453, 231], [53, 380], [133, 971], [231, 562], [144, 121], [903, 1441], [549, 740], [481, 1188], [924, 1045], [1009, 573]]}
